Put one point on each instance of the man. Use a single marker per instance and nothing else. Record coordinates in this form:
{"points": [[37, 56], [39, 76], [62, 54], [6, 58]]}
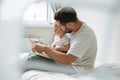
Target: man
{"points": [[83, 46]]}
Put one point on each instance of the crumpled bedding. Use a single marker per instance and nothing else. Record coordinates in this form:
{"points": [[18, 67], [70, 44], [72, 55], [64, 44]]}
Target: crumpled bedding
{"points": [[105, 72]]}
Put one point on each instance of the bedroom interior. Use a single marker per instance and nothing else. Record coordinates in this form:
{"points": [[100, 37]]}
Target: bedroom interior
{"points": [[21, 19]]}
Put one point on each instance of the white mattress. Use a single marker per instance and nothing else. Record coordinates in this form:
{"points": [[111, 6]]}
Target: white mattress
{"points": [[106, 72]]}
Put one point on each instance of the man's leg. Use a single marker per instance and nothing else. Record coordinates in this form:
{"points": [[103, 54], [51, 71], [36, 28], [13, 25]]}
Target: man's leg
{"points": [[35, 62]]}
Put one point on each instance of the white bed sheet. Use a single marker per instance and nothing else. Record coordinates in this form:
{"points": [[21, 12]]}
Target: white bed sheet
{"points": [[106, 72]]}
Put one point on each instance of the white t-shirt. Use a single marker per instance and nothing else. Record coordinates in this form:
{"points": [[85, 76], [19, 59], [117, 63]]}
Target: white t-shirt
{"points": [[83, 44], [65, 40]]}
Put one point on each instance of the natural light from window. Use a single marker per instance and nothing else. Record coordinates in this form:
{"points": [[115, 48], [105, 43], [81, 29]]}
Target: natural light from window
{"points": [[36, 12]]}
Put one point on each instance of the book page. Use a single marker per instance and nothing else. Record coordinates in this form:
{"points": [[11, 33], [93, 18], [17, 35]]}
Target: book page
{"points": [[39, 53], [42, 54]]}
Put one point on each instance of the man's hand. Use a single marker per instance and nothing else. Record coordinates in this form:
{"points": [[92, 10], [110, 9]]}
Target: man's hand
{"points": [[37, 47]]}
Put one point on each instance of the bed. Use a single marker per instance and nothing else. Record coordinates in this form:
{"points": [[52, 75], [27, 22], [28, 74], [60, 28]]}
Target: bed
{"points": [[109, 71], [103, 72]]}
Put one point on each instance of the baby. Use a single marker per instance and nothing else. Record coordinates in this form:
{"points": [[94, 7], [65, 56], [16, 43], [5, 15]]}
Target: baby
{"points": [[61, 44]]}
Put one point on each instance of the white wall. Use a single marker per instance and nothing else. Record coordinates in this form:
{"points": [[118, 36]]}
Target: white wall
{"points": [[12, 9], [114, 40]]}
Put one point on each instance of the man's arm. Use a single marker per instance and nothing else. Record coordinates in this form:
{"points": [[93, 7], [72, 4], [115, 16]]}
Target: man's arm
{"points": [[63, 48], [65, 59]]}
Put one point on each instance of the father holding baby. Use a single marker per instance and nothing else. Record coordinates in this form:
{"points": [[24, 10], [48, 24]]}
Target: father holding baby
{"points": [[77, 52]]}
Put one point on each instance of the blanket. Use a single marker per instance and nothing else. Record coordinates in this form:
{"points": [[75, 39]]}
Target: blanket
{"points": [[104, 72]]}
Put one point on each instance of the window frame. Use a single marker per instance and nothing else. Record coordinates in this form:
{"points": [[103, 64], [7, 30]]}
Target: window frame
{"points": [[49, 15]]}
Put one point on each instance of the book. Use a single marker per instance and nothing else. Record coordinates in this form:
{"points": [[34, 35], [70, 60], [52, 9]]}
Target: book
{"points": [[43, 54]]}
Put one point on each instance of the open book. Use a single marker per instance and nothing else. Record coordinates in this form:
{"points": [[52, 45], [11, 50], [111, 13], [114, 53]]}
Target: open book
{"points": [[39, 53], [42, 54]]}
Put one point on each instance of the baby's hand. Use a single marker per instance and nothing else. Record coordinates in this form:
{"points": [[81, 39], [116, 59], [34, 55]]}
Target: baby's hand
{"points": [[58, 31]]}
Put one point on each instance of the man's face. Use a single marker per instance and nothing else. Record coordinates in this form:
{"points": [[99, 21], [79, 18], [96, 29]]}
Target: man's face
{"points": [[64, 27]]}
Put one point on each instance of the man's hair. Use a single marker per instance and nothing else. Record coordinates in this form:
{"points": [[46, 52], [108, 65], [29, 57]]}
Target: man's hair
{"points": [[65, 15]]}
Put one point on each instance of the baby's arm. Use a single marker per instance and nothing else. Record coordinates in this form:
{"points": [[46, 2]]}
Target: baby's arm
{"points": [[63, 48], [53, 45]]}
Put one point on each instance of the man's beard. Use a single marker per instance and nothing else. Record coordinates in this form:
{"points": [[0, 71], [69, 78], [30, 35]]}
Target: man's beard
{"points": [[69, 31]]}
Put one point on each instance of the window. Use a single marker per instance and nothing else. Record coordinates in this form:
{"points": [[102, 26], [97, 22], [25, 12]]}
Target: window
{"points": [[38, 12]]}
